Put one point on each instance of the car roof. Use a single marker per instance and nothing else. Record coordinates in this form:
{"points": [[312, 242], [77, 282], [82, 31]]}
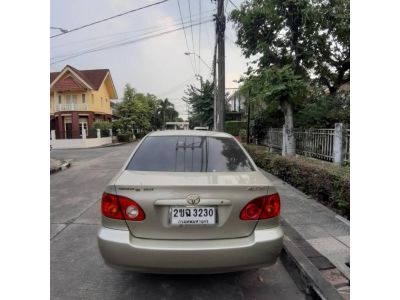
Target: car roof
{"points": [[189, 133]]}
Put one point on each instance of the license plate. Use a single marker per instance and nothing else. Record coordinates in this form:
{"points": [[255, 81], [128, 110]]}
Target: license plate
{"points": [[193, 215]]}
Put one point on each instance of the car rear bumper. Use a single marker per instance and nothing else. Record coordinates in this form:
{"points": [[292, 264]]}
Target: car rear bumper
{"points": [[122, 250]]}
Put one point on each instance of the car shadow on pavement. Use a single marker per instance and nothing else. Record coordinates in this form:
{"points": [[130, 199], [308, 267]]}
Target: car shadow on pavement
{"points": [[251, 284], [191, 286]]}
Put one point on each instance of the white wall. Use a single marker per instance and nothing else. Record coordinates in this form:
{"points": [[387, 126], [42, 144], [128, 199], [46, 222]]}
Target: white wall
{"points": [[80, 143]]}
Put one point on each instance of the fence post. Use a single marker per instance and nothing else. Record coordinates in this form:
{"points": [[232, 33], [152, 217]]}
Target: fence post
{"points": [[98, 133], [53, 135], [110, 133], [83, 134], [338, 144]]}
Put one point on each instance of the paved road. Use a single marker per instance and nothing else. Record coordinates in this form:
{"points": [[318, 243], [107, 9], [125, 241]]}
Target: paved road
{"points": [[77, 269]]}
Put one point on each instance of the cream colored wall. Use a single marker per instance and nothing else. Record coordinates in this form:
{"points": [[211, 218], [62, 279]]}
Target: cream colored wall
{"points": [[101, 101]]}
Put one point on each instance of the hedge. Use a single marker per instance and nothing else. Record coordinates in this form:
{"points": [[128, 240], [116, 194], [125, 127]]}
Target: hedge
{"points": [[233, 127], [326, 182], [124, 137]]}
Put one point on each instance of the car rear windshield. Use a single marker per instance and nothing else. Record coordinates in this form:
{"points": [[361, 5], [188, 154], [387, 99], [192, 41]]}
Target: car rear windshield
{"points": [[190, 154]]}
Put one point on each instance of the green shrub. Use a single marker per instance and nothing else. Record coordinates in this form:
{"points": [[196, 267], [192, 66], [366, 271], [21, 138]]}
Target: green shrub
{"points": [[326, 182], [139, 135], [124, 137], [243, 135], [233, 127], [102, 125]]}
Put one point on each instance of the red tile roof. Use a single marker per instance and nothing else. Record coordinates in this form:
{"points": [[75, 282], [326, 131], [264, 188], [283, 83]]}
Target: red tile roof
{"points": [[92, 77]]}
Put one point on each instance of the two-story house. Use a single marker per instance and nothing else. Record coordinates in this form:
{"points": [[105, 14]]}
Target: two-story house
{"points": [[235, 106], [78, 98]]}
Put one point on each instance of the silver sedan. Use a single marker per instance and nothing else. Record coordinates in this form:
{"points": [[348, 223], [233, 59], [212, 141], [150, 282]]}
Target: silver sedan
{"points": [[190, 202]]}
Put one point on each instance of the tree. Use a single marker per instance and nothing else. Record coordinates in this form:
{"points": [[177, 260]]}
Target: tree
{"points": [[330, 43], [287, 36], [280, 87], [166, 112], [201, 101], [136, 111], [322, 110], [275, 31]]}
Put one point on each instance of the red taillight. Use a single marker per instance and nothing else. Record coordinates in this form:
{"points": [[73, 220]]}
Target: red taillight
{"points": [[121, 208], [264, 207], [110, 207], [132, 211]]}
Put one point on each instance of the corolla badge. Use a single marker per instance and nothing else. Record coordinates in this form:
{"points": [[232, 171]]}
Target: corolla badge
{"points": [[193, 199]]}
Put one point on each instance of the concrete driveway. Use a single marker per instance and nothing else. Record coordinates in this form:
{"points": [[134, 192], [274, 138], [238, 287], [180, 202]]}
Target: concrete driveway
{"points": [[78, 271]]}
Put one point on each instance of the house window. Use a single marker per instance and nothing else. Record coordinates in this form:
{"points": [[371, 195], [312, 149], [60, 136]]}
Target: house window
{"points": [[59, 99], [71, 100], [83, 98]]}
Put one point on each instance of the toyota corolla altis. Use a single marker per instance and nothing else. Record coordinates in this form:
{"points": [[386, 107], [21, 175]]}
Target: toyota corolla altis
{"points": [[190, 202]]}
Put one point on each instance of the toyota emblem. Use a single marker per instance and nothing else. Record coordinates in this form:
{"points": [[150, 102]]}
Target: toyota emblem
{"points": [[193, 199]]}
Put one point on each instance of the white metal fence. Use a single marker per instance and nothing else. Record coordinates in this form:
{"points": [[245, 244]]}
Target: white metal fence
{"points": [[316, 143]]}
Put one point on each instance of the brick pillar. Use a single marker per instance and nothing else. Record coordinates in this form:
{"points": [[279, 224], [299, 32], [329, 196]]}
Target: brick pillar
{"points": [[60, 127], [75, 125], [90, 119]]}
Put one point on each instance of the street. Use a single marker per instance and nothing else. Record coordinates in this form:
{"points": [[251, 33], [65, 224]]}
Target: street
{"points": [[78, 271]]}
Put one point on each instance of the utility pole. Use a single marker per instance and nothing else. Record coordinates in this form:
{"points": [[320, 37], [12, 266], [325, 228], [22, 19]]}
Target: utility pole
{"points": [[248, 119], [220, 105], [215, 86]]}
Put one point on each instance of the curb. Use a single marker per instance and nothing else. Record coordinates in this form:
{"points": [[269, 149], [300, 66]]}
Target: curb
{"points": [[63, 166], [306, 276], [96, 147]]}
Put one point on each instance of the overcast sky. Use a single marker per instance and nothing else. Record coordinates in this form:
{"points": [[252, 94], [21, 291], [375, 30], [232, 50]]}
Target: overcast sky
{"points": [[158, 65]]}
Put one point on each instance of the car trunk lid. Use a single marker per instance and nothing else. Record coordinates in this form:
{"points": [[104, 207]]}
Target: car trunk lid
{"points": [[158, 192]]}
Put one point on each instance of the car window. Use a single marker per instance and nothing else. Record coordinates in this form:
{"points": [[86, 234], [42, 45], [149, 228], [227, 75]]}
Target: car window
{"points": [[190, 154]]}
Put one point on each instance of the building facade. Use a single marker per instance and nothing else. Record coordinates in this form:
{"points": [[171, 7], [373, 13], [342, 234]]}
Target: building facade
{"points": [[78, 98], [235, 107]]}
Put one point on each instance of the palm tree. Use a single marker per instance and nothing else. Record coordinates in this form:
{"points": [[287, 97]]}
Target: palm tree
{"points": [[166, 109]]}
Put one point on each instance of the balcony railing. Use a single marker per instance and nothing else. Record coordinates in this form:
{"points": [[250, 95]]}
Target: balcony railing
{"points": [[71, 106]]}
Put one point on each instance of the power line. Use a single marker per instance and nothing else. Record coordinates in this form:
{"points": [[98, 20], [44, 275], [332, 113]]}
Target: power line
{"points": [[173, 89], [119, 43], [233, 4], [124, 43], [112, 41], [109, 18], [184, 31], [191, 29], [149, 29], [200, 38]]}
